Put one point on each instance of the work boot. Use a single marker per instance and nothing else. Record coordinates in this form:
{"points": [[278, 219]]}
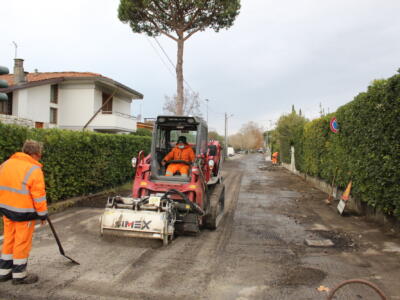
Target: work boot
{"points": [[29, 279], [5, 277]]}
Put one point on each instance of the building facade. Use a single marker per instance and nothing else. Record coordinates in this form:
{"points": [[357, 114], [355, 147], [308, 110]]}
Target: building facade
{"points": [[68, 100]]}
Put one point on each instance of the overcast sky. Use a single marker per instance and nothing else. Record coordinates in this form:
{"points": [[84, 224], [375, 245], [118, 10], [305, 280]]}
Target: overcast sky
{"points": [[278, 53]]}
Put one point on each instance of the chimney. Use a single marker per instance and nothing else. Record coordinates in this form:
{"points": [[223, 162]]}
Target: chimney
{"points": [[19, 74]]}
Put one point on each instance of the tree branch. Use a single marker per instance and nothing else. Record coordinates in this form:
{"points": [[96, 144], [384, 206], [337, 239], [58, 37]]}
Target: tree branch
{"points": [[158, 28], [193, 32], [155, 14]]}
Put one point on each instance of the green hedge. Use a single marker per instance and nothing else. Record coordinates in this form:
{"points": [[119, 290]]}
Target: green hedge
{"points": [[77, 163], [366, 149], [289, 133]]}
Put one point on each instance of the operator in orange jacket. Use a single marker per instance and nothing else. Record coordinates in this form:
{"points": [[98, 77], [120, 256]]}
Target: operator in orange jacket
{"points": [[22, 201], [182, 151], [275, 156]]}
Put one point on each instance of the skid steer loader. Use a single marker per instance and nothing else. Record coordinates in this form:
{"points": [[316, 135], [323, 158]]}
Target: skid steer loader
{"points": [[162, 206]]}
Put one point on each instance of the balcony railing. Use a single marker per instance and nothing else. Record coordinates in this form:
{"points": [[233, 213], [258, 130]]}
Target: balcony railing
{"points": [[117, 113], [114, 121]]}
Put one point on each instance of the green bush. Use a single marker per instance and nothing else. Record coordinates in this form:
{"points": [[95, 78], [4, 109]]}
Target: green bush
{"points": [[366, 150], [142, 132], [77, 163], [370, 135], [288, 132]]}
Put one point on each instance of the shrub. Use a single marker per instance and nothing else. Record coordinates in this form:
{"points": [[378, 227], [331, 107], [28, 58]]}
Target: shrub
{"points": [[366, 149], [288, 132], [77, 163], [142, 132]]}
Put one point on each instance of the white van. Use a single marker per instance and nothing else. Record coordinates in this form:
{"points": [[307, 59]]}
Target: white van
{"points": [[230, 151]]}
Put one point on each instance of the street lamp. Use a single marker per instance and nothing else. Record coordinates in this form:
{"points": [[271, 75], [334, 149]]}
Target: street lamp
{"points": [[207, 109]]}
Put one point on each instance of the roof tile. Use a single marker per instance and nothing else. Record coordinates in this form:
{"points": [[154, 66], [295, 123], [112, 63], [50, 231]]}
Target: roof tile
{"points": [[33, 77]]}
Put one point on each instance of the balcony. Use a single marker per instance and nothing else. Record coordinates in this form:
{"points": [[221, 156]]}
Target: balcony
{"points": [[111, 121]]}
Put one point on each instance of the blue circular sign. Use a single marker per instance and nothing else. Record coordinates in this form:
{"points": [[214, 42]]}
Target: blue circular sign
{"points": [[334, 125]]}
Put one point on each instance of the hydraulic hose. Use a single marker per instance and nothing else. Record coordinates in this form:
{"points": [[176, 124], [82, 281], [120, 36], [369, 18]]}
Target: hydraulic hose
{"points": [[192, 205], [359, 281]]}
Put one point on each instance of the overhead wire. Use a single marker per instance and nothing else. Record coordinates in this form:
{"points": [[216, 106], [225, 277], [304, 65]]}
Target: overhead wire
{"points": [[160, 57], [174, 66]]}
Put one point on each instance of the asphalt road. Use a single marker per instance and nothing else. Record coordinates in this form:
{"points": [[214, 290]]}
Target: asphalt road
{"points": [[258, 252]]}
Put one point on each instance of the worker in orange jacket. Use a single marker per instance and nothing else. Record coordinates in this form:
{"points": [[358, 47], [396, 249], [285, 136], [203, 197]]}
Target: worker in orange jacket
{"points": [[182, 151], [22, 201], [275, 156]]}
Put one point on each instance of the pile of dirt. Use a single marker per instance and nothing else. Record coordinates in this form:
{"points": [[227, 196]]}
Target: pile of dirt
{"points": [[342, 241], [301, 276]]}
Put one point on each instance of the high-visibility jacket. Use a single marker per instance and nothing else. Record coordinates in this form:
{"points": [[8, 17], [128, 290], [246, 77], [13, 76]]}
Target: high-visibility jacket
{"points": [[186, 154], [22, 188]]}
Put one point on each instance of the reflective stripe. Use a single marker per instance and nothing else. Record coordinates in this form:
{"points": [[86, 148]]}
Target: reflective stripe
{"points": [[19, 275], [40, 199], [28, 174], [20, 261], [15, 209], [6, 256], [5, 272], [169, 173], [23, 190], [42, 213], [9, 189]]}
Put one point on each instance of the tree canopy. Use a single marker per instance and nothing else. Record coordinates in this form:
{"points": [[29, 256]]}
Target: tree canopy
{"points": [[175, 17], [178, 20], [191, 104], [250, 137]]}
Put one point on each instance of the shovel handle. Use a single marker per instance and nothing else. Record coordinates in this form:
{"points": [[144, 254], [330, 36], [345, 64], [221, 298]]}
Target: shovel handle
{"points": [[55, 236]]}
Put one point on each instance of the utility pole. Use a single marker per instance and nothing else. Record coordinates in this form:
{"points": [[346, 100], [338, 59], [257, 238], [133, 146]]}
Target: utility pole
{"points": [[226, 138], [226, 134], [207, 109]]}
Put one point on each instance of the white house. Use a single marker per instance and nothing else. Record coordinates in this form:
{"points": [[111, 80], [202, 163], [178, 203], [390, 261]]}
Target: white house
{"points": [[67, 100]]}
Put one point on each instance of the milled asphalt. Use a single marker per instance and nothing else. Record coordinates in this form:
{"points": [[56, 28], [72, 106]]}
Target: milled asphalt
{"points": [[258, 252]]}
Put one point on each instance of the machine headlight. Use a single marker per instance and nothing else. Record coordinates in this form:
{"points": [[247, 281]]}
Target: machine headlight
{"points": [[134, 162], [211, 164]]}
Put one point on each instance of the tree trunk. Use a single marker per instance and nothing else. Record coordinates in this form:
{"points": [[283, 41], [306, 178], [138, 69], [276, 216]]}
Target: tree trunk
{"points": [[179, 77]]}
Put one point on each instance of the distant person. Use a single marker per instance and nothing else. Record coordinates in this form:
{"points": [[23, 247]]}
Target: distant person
{"points": [[275, 156], [182, 151], [22, 201]]}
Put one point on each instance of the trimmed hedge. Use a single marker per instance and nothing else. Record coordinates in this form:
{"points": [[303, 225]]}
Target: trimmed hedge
{"points": [[289, 133], [366, 149], [77, 163]]}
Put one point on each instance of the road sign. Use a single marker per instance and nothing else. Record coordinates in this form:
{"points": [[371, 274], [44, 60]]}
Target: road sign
{"points": [[341, 206], [334, 125]]}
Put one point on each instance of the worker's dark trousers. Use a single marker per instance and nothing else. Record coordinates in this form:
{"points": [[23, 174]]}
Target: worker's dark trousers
{"points": [[16, 247]]}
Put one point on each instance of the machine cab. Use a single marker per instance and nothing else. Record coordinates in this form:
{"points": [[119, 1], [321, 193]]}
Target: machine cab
{"points": [[165, 135]]}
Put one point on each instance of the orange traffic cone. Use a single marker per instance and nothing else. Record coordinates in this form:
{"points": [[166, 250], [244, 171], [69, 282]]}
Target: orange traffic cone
{"points": [[346, 194]]}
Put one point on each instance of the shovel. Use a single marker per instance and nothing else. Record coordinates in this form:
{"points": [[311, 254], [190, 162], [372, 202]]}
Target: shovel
{"points": [[59, 243]]}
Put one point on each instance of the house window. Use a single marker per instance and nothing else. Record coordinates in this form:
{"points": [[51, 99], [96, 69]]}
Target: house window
{"points": [[54, 93], [53, 115], [107, 109], [6, 106]]}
